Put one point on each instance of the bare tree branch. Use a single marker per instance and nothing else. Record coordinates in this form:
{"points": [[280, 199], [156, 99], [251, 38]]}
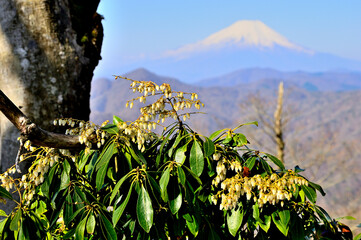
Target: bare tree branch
{"points": [[32, 132]]}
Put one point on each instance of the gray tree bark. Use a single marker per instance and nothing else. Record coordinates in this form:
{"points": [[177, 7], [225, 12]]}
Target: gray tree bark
{"points": [[48, 52]]}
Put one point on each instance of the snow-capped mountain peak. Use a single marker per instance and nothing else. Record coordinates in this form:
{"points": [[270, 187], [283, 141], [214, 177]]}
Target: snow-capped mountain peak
{"points": [[241, 34]]}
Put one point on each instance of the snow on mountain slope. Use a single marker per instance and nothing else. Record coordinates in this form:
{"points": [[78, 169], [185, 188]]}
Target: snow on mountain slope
{"points": [[242, 34]]}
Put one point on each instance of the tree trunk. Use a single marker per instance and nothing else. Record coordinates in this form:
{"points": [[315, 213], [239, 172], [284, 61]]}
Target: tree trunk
{"points": [[48, 52]]}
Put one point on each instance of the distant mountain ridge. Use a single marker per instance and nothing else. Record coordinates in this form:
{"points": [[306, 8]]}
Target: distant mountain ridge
{"points": [[244, 44], [318, 81]]}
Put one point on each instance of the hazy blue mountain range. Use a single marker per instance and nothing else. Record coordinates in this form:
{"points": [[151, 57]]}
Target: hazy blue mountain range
{"points": [[317, 81], [244, 44]]}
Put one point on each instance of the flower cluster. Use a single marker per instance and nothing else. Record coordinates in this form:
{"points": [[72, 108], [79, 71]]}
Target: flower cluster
{"points": [[43, 159], [138, 132], [222, 166], [89, 133], [271, 189], [175, 100]]}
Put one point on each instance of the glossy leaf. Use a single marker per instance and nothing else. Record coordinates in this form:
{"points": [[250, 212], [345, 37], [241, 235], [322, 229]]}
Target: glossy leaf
{"points": [[276, 161], [117, 187], [79, 232], [5, 194], [216, 133], [317, 187], [240, 139], [310, 193], [101, 176], [234, 220], [163, 183], [107, 229], [196, 159], [265, 225], [3, 213], [181, 176], [15, 222], [193, 224], [180, 156], [90, 224], [65, 175], [145, 210], [250, 163], [105, 156], [209, 147], [110, 128], [245, 124], [117, 120], [281, 220], [119, 210], [175, 199]]}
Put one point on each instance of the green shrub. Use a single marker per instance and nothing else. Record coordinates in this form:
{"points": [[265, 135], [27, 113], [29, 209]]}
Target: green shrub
{"points": [[129, 182]]}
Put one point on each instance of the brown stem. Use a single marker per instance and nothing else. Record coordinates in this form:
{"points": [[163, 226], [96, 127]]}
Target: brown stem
{"points": [[32, 132]]}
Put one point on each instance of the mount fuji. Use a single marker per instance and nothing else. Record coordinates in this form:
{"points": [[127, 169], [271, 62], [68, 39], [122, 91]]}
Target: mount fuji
{"points": [[244, 44]]}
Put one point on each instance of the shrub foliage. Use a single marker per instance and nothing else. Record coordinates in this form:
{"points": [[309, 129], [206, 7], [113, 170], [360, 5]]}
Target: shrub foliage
{"points": [[130, 182]]}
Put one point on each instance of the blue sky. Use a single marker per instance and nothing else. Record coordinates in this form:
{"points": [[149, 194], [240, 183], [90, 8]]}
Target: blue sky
{"points": [[142, 27]]}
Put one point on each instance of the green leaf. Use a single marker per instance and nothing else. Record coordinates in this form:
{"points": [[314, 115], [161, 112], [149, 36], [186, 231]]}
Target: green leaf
{"points": [[276, 161], [180, 156], [234, 220], [317, 187], [5, 194], [196, 159], [165, 140], [163, 183], [193, 225], [175, 199], [15, 222], [266, 166], [105, 156], [216, 133], [3, 213], [101, 176], [90, 224], [136, 154], [119, 210], [116, 188], [75, 214], [144, 210], [310, 193], [301, 193], [107, 229], [117, 120], [346, 217], [65, 175], [249, 123], [110, 128], [79, 232], [240, 139], [255, 211], [323, 214], [281, 220], [250, 162], [89, 168], [265, 225], [175, 144], [209, 147], [181, 176]]}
